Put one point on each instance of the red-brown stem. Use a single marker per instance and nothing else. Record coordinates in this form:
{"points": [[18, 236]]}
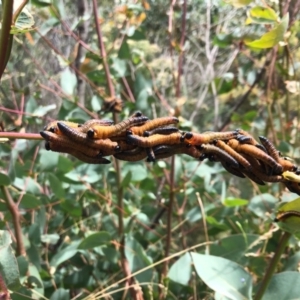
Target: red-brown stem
{"points": [[13, 208], [19, 135], [5, 36], [181, 46], [111, 88]]}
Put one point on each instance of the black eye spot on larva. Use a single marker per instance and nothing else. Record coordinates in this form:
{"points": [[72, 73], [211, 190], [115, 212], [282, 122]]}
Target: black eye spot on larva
{"points": [[90, 133]]}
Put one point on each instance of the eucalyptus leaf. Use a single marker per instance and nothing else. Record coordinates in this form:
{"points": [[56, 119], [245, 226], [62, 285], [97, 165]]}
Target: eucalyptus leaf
{"points": [[223, 276], [273, 37]]}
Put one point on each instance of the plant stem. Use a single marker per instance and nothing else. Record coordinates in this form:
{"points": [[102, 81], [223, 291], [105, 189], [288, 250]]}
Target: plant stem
{"points": [[20, 135], [272, 265], [5, 36], [13, 208]]}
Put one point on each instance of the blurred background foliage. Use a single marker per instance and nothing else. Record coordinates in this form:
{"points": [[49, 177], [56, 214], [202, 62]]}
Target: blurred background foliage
{"points": [[192, 59]]}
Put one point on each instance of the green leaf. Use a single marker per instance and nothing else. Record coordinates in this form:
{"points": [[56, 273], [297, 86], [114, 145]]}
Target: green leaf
{"points": [[264, 15], [288, 216], [124, 51], [138, 171], [22, 265], [95, 240], [96, 103], [119, 67], [65, 254], [40, 111], [60, 294], [51, 239], [181, 270], [68, 81], [24, 23], [4, 179], [284, 286], [48, 160], [35, 279], [262, 205], [213, 222], [29, 201], [273, 37], [56, 186], [8, 263], [235, 247], [234, 202], [126, 180], [223, 276], [137, 258], [238, 3]]}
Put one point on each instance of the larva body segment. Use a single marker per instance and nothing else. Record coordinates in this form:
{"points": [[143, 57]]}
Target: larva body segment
{"points": [[257, 153], [161, 130], [267, 178], [287, 164], [255, 164], [163, 151], [136, 154], [100, 132], [232, 170], [253, 177], [150, 155], [198, 139], [155, 140], [239, 158], [79, 155], [64, 142], [153, 124], [270, 148], [102, 122], [106, 146], [52, 126], [221, 154], [246, 138]]}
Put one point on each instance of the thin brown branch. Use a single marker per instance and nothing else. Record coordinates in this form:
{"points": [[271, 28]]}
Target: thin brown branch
{"points": [[83, 35], [181, 47], [111, 88], [5, 36], [18, 11], [134, 288], [13, 208], [20, 135], [243, 98]]}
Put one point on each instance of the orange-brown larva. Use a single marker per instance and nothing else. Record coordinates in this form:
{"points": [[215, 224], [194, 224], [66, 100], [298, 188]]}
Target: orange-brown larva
{"points": [[238, 157], [52, 126], [152, 125], [64, 142], [255, 152], [155, 140], [105, 145], [100, 132], [221, 154], [136, 154], [198, 139], [281, 215]]}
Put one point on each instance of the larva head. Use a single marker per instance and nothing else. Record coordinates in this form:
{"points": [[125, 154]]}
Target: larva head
{"points": [[137, 114], [45, 135], [91, 133], [53, 127]]}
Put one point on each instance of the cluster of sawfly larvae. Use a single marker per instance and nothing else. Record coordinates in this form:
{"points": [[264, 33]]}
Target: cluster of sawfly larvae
{"points": [[138, 138]]}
